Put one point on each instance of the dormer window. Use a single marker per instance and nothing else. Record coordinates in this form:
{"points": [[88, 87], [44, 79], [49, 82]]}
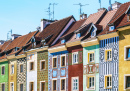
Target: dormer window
{"points": [[62, 41], [111, 28], [93, 32], [16, 48], [128, 17], [78, 35]]}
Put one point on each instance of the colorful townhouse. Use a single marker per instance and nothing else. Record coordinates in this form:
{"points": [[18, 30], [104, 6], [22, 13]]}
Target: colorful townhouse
{"points": [[91, 54], [121, 23], [59, 59], [109, 54]]}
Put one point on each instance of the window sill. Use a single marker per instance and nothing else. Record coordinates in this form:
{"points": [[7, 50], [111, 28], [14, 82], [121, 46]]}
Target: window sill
{"points": [[92, 62], [62, 66], [108, 88], [42, 69], [90, 89], [75, 63], [127, 59], [109, 60]]}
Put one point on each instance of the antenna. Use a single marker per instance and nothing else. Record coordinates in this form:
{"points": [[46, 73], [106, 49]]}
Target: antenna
{"points": [[9, 32], [49, 11], [100, 3], [81, 7], [110, 2], [53, 9]]}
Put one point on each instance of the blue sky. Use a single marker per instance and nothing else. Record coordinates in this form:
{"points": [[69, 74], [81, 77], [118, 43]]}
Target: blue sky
{"points": [[23, 16]]}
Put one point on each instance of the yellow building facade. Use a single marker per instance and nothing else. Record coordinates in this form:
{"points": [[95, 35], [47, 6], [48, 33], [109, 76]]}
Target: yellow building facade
{"points": [[124, 59]]}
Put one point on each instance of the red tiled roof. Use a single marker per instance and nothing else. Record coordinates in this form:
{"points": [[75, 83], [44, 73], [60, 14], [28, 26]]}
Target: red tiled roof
{"points": [[54, 29], [120, 12], [5, 45]]}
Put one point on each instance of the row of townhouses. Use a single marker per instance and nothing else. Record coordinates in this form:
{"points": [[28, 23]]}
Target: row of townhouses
{"points": [[91, 54]]}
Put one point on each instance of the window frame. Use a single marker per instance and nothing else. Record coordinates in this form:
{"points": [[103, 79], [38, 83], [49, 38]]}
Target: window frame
{"points": [[92, 52], [53, 62], [125, 53], [40, 84], [30, 66], [61, 60], [105, 83], [87, 84], [11, 86], [126, 75], [106, 51], [20, 67], [19, 86], [1, 86], [41, 64], [30, 85], [77, 61], [72, 83], [65, 84], [4, 69], [11, 68], [53, 84]]}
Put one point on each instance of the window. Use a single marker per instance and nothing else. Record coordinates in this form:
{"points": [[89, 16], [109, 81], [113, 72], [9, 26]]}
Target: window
{"points": [[21, 68], [127, 53], [62, 41], [12, 86], [108, 55], [31, 65], [127, 82], [3, 87], [78, 35], [12, 69], [128, 17], [63, 62], [21, 87], [54, 62], [42, 64], [75, 84], [91, 57], [75, 57], [31, 86], [108, 81], [2, 70], [90, 82], [62, 84], [42, 86], [111, 28], [54, 85]]}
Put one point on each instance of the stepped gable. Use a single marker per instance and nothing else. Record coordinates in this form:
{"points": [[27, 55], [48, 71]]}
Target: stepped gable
{"points": [[54, 29]]}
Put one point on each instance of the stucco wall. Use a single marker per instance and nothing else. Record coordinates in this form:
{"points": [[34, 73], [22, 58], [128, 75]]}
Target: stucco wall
{"points": [[4, 78]]}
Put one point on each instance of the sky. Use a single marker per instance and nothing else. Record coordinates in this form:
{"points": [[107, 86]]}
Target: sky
{"points": [[23, 16]]}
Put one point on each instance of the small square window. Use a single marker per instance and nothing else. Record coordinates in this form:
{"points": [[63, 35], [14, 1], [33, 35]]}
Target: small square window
{"points": [[108, 55], [42, 86], [75, 83], [108, 82], [62, 84], [111, 28], [12, 69], [31, 86], [75, 57], [3, 87], [21, 87], [62, 41], [21, 68], [54, 85], [31, 66], [91, 57], [63, 61], [2, 70], [78, 35], [42, 64], [54, 62], [90, 82]]}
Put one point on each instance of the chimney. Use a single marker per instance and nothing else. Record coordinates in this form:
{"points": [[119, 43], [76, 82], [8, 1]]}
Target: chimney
{"points": [[101, 9], [116, 5], [45, 22], [83, 16], [14, 36]]}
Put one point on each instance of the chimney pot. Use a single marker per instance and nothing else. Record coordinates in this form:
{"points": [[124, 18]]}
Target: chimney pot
{"points": [[116, 5], [83, 16]]}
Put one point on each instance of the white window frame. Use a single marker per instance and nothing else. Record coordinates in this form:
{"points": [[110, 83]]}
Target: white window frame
{"points": [[65, 84], [4, 69], [110, 87], [30, 85], [61, 60], [52, 84], [41, 64], [40, 85], [125, 81], [53, 60], [1, 86], [20, 67], [19, 86], [11, 86], [11, 68], [75, 53], [72, 83], [90, 88], [125, 52]]}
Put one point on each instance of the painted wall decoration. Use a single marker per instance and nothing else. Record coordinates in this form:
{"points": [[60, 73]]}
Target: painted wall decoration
{"points": [[109, 67], [21, 75], [59, 72]]}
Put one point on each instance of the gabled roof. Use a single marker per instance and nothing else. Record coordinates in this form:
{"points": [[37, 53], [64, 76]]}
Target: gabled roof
{"points": [[54, 29], [5, 45]]}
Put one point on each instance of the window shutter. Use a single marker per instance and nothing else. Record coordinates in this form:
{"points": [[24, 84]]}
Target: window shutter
{"points": [[87, 82]]}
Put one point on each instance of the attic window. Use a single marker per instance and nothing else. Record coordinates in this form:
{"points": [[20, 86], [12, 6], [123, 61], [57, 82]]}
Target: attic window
{"points": [[62, 41], [111, 28], [128, 17], [93, 32], [78, 35], [16, 48]]}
